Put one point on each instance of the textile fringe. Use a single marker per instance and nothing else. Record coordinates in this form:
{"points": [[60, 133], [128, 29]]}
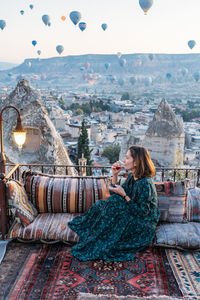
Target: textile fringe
{"points": [[85, 296]]}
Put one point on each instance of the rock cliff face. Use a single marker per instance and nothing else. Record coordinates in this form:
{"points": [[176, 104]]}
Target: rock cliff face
{"points": [[165, 122], [165, 137], [43, 145]]}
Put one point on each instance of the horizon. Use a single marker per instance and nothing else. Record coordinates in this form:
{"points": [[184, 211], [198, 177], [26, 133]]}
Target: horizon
{"points": [[162, 31]]}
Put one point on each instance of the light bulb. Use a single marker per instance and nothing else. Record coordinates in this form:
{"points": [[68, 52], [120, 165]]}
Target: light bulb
{"points": [[19, 137]]}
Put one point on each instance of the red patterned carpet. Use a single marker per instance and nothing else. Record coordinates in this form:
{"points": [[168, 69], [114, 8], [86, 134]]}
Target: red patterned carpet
{"points": [[50, 272]]}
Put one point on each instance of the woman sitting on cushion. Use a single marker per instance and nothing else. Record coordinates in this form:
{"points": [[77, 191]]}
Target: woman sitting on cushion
{"points": [[123, 224]]}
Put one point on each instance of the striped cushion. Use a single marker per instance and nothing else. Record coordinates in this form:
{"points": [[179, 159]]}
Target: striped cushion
{"points": [[46, 227], [171, 201], [58, 194], [22, 209], [193, 205]]}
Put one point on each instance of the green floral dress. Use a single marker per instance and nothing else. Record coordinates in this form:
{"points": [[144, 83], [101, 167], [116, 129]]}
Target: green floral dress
{"points": [[114, 229]]}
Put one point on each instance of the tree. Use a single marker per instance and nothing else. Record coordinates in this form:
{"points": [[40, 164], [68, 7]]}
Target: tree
{"points": [[125, 96], [112, 153], [83, 145]]}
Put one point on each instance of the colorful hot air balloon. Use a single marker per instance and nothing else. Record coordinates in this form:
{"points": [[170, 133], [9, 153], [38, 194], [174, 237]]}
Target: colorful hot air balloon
{"points": [[122, 62], [191, 44], [168, 76], [34, 43], [87, 65], [132, 80], [104, 26], [46, 19], [22, 12], [63, 18], [107, 65], [145, 5], [184, 71], [31, 6], [196, 76], [75, 17], [119, 54], [2, 24], [28, 64], [39, 52], [82, 26], [151, 56], [59, 49]]}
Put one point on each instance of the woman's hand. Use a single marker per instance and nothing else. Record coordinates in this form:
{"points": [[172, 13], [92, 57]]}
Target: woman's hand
{"points": [[118, 189]]}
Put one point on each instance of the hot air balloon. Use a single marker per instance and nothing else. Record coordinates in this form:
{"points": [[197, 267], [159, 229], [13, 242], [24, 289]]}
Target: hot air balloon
{"points": [[168, 76], [28, 64], [87, 65], [39, 52], [107, 65], [147, 81], [2, 24], [59, 49], [122, 62], [31, 6], [145, 5], [46, 19], [82, 26], [111, 77], [139, 63], [75, 17], [104, 26], [63, 18], [191, 44], [151, 56], [132, 80], [121, 81], [196, 76], [22, 12], [119, 54], [184, 71], [34, 43], [82, 68]]}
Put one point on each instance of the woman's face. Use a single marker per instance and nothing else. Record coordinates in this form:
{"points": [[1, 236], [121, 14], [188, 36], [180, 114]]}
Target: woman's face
{"points": [[129, 161]]}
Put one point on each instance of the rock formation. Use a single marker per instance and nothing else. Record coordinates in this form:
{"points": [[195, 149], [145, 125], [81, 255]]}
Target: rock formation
{"points": [[165, 137], [44, 144]]}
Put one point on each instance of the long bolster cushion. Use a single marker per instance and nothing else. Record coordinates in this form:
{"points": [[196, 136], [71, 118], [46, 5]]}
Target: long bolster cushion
{"points": [[46, 227], [64, 194]]}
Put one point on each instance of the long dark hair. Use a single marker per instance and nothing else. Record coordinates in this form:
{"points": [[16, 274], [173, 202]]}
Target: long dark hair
{"points": [[144, 165]]}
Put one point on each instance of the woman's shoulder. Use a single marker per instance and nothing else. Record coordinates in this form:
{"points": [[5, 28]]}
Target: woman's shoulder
{"points": [[145, 181]]}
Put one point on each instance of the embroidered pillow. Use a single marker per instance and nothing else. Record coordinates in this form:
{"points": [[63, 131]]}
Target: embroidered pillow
{"points": [[23, 210], [193, 205], [59, 193], [178, 235], [171, 201]]}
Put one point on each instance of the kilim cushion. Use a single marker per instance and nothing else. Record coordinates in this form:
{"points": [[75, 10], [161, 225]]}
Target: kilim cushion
{"points": [[48, 227], [58, 194], [171, 201], [193, 204], [23, 210], [178, 235]]}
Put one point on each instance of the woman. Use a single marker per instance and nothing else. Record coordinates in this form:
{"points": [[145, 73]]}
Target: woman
{"points": [[123, 224]]}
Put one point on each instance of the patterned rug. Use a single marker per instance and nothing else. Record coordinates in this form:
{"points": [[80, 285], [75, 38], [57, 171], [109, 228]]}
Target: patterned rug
{"points": [[49, 272]]}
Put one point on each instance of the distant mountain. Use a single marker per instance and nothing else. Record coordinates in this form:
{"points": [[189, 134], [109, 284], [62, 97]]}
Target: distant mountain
{"points": [[77, 70], [6, 65]]}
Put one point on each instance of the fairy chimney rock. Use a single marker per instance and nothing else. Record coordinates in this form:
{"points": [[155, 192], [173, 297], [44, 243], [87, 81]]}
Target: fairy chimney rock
{"points": [[165, 137], [43, 143]]}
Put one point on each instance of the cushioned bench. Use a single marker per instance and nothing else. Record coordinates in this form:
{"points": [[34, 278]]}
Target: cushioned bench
{"points": [[46, 203]]}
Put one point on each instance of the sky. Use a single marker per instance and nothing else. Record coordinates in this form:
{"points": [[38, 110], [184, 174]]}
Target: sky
{"points": [[167, 28]]}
